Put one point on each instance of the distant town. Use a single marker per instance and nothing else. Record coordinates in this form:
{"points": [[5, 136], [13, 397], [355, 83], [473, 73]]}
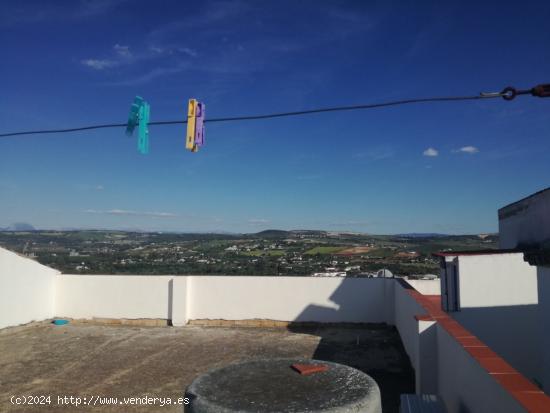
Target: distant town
{"points": [[271, 252]]}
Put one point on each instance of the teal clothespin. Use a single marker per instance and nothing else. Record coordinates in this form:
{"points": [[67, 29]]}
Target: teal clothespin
{"points": [[133, 118], [143, 132], [140, 112]]}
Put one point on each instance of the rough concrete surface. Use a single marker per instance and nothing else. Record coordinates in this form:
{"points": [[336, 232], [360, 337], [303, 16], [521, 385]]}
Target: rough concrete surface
{"points": [[99, 362], [271, 385]]}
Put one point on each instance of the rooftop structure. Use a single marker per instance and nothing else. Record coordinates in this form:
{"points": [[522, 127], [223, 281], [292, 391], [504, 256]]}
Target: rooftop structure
{"points": [[477, 338], [118, 361]]}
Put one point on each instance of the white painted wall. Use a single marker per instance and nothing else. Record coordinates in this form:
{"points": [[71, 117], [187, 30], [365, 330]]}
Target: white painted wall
{"points": [[440, 362], [526, 221], [223, 297], [499, 304], [26, 290], [496, 280], [464, 385], [113, 296], [544, 324], [406, 307], [180, 301], [426, 287], [426, 373], [320, 299]]}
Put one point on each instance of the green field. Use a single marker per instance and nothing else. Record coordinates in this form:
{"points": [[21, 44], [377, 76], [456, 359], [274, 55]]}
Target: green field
{"points": [[259, 253], [324, 250]]}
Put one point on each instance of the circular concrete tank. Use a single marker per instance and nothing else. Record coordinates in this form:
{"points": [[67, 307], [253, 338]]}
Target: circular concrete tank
{"points": [[272, 385]]}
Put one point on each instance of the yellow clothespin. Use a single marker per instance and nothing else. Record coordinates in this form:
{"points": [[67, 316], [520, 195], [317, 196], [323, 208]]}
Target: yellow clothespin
{"points": [[191, 121]]}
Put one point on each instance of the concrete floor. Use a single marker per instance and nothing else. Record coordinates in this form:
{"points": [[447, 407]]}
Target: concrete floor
{"points": [[120, 361]]}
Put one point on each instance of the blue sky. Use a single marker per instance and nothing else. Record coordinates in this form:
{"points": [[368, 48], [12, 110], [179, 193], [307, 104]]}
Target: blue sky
{"points": [[420, 168]]}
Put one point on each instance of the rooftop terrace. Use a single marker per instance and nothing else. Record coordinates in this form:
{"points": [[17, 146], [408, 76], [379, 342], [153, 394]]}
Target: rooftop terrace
{"points": [[125, 361], [394, 330]]}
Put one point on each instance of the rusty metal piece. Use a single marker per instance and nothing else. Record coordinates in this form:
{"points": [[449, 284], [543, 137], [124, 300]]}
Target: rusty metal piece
{"points": [[542, 91], [308, 369]]}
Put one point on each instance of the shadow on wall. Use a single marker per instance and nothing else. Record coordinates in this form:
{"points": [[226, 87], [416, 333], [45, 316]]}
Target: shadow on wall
{"points": [[170, 300], [513, 332], [374, 348]]}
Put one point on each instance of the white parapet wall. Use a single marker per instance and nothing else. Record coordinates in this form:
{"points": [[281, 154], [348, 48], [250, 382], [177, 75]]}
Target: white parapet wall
{"points": [[181, 298], [496, 280], [114, 296], [406, 307], [543, 274], [443, 366], [525, 222], [465, 385], [317, 299], [27, 290], [499, 304], [426, 287]]}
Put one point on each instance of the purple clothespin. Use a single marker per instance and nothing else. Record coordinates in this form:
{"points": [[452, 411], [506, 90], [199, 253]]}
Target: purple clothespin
{"points": [[199, 124]]}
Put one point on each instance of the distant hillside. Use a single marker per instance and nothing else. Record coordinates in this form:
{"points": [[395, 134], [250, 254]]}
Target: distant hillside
{"points": [[277, 233], [422, 235], [19, 226], [272, 233]]}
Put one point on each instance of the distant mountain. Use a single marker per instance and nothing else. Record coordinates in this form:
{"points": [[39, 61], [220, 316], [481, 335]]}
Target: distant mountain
{"points": [[19, 226], [272, 233], [310, 232], [422, 235]]}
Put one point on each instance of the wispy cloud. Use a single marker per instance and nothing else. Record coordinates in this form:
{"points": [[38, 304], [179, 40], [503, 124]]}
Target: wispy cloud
{"points": [[119, 55], [188, 51], [467, 149], [270, 43], [258, 221], [431, 152], [125, 212], [18, 12], [122, 51], [349, 223], [375, 154], [99, 188], [99, 64], [152, 74], [174, 60]]}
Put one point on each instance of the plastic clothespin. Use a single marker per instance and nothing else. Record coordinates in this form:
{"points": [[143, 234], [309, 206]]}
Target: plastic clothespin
{"points": [[133, 118], [140, 112], [199, 124], [195, 125], [143, 132], [191, 120]]}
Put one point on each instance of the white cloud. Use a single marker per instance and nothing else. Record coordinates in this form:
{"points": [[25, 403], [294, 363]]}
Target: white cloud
{"points": [[349, 223], [153, 74], [188, 51], [122, 51], [99, 187], [156, 49], [99, 64], [377, 153], [132, 213], [468, 149], [430, 152], [257, 221]]}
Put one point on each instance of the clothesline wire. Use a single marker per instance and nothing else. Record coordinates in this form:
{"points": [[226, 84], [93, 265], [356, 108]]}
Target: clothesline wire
{"points": [[270, 115]]}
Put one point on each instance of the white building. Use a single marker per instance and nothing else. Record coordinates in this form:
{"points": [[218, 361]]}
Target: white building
{"points": [[479, 338], [503, 296]]}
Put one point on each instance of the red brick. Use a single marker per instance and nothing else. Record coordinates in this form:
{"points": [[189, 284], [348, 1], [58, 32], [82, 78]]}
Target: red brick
{"points": [[307, 369], [534, 402], [495, 365], [514, 382]]}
